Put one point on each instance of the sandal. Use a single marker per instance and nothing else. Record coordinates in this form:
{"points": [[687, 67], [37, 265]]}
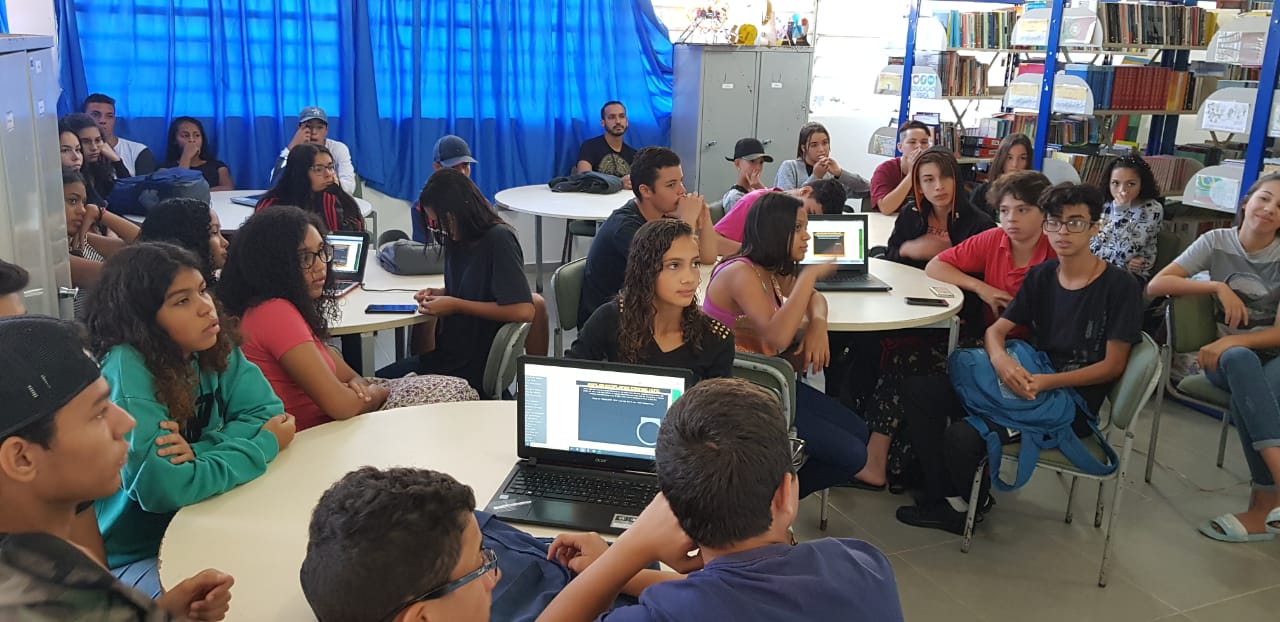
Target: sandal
{"points": [[1273, 522], [1227, 528]]}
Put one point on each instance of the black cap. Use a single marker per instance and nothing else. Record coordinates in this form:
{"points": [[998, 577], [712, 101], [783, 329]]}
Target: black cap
{"points": [[750, 149], [43, 365]]}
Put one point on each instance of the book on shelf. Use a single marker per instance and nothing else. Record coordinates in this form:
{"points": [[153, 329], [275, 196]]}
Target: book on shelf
{"points": [[1143, 88], [985, 30], [1156, 24], [962, 75]]}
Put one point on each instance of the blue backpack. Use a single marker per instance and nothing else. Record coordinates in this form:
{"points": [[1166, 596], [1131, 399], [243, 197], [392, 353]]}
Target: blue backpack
{"points": [[1045, 422]]}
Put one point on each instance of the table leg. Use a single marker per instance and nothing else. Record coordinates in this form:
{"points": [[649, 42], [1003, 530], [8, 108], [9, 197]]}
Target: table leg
{"points": [[537, 258], [400, 343], [369, 365], [351, 351], [953, 334]]}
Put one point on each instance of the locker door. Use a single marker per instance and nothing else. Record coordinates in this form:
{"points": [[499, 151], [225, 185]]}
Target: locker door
{"points": [[783, 105], [728, 113], [43, 72], [22, 239]]}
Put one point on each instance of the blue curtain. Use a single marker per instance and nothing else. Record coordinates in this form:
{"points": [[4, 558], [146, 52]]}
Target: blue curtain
{"points": [[521, 80], [4, 18]]}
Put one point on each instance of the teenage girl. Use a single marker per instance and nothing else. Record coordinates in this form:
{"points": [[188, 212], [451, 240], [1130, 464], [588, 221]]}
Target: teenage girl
{"points": [[1131, 219]]}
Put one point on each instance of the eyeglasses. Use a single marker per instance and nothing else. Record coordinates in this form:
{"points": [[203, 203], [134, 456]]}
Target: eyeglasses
{"points": [[798, 456], [321, 168], [308, 258], [490, 565], [1075, 225]]}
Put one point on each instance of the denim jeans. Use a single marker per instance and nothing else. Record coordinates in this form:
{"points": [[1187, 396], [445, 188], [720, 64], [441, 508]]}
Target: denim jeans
{"points": [[1254, 388], [835, 440], [142, 575]]}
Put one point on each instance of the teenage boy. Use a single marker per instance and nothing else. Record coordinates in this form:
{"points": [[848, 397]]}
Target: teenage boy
{"points": [[63, 442], [449, 152], [313, 127], [748, 159], [891, 181], [397, 544], [1084, 313], [608, 153], [135, 156], [738, 520], [659, 193], [13, 279]]}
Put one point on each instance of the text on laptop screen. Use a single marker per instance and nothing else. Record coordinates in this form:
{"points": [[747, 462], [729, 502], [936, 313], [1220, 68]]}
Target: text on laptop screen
{"points": [[347, 250], [594, 410], [842, 241]]}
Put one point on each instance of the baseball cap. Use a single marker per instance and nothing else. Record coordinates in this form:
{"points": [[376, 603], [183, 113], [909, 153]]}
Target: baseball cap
{"points": [[312, 112], [43, 365], [750, 149], [451, 150]]}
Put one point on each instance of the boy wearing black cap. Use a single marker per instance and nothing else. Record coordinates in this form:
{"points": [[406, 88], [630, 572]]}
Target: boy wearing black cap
{"points": [[749, 158], [13, 279], [62, 443]]}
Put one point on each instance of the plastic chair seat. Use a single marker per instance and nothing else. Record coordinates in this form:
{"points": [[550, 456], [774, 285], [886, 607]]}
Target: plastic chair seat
{"points": [[1055, 459], [1199, 387], [582, 228]]}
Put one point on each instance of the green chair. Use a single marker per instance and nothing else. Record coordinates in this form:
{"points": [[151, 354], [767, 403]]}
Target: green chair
{"points": [[1189, 326], [562, 304], [1127, 398], [575, 229], [500, 367], [717, 211]]}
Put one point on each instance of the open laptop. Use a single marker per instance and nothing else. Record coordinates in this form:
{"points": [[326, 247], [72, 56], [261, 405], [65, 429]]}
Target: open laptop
{"points": [[350, 251], [248, 200], [842, 238], [586, 433]]}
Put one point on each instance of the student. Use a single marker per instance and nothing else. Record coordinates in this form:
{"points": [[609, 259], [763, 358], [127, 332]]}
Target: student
{"points": [[936, 216], [484, 282], [59, 446], [102, 166], [135, 156], [891, 181], [659, 193], [735, 221], [1131, 219], [750, 566], [13, 280], [992, 264], [69, 148], [155, 327], [313, 129], [813, 161], [1244, 279], [398, 544], [93, 233], [748, 159], [188, 147], [655, 320], [773, 309], [1084, 313], [1015, 153], [190, 224], [275, 278], [308, 181], [608, 153]]}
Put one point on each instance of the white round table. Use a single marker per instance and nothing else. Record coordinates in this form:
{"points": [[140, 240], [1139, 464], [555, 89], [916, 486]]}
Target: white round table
{"points": [[232, 215], [356, 325], [258, 531], [540, 201], [880, 227]]}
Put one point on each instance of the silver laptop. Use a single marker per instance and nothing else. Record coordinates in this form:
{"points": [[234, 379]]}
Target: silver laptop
{"points": [[842, 238], [586, 433], [350, 252]]}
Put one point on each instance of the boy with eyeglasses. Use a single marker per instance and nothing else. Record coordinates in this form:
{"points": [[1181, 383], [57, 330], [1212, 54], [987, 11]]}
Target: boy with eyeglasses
{"points": [[748, 566], [1084, 313]]}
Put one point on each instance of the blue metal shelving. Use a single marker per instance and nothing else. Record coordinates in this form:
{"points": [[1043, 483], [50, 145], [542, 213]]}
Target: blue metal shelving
{"points": [[1262, 107]]}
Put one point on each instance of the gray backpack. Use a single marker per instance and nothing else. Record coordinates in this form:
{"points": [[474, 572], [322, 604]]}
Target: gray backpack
{"points": [[406, 257]]}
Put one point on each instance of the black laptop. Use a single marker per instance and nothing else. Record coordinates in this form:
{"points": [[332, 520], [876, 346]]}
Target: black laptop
{"points": [[842, 238], [585, 434], [350, 252]]}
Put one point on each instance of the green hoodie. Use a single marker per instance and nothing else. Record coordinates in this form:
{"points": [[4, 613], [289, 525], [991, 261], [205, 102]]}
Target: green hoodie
{"points": [[226, 436]]}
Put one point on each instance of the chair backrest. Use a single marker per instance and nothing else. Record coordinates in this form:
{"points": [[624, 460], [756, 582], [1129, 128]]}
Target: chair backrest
{"points": [[1141, 375], [770, 372], [1167, 249], [566, 290], [500, 367], [1189, 323], [717, 211]]}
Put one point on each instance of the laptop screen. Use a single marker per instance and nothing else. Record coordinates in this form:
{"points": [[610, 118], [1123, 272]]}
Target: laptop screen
{"points": [[596, 408], [839, 238], [348, 253]]}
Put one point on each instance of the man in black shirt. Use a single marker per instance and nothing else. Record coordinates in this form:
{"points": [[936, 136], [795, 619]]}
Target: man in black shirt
{"points": [[1083, 312], [607, 153]]}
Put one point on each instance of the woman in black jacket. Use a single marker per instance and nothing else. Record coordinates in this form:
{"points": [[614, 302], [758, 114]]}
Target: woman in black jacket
{"points": [[936, 215]]}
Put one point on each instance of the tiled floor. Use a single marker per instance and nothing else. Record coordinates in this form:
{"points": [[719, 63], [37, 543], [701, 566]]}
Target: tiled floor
{"points": [[1027, 564]]}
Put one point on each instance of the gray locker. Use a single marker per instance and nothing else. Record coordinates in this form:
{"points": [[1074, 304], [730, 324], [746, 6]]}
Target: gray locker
{"points": [[33, 232], [725, 92]]}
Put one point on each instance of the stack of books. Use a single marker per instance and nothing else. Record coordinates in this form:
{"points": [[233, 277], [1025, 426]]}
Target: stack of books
{"points": [[988, 30], [962, 75], [1158, 89], [1156, 24], [1172, 173]]}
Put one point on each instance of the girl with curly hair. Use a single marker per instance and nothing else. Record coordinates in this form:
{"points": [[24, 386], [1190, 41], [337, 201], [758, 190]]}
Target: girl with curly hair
{"points": [[309, 180], [170, 364], [277, 272], [189, 223], [772, 307], [1131, 219], [655, 320]]}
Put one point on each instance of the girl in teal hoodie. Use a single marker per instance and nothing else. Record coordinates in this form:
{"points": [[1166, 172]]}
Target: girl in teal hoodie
{"points": [[171, 365]]}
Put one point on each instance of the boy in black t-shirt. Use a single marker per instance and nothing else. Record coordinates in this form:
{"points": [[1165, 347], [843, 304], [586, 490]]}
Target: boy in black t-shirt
{"points": [[1083, 312]]}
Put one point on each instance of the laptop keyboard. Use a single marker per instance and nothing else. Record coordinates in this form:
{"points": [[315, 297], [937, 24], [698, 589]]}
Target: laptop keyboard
{"points": [[582, 488], [849, 277]]}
